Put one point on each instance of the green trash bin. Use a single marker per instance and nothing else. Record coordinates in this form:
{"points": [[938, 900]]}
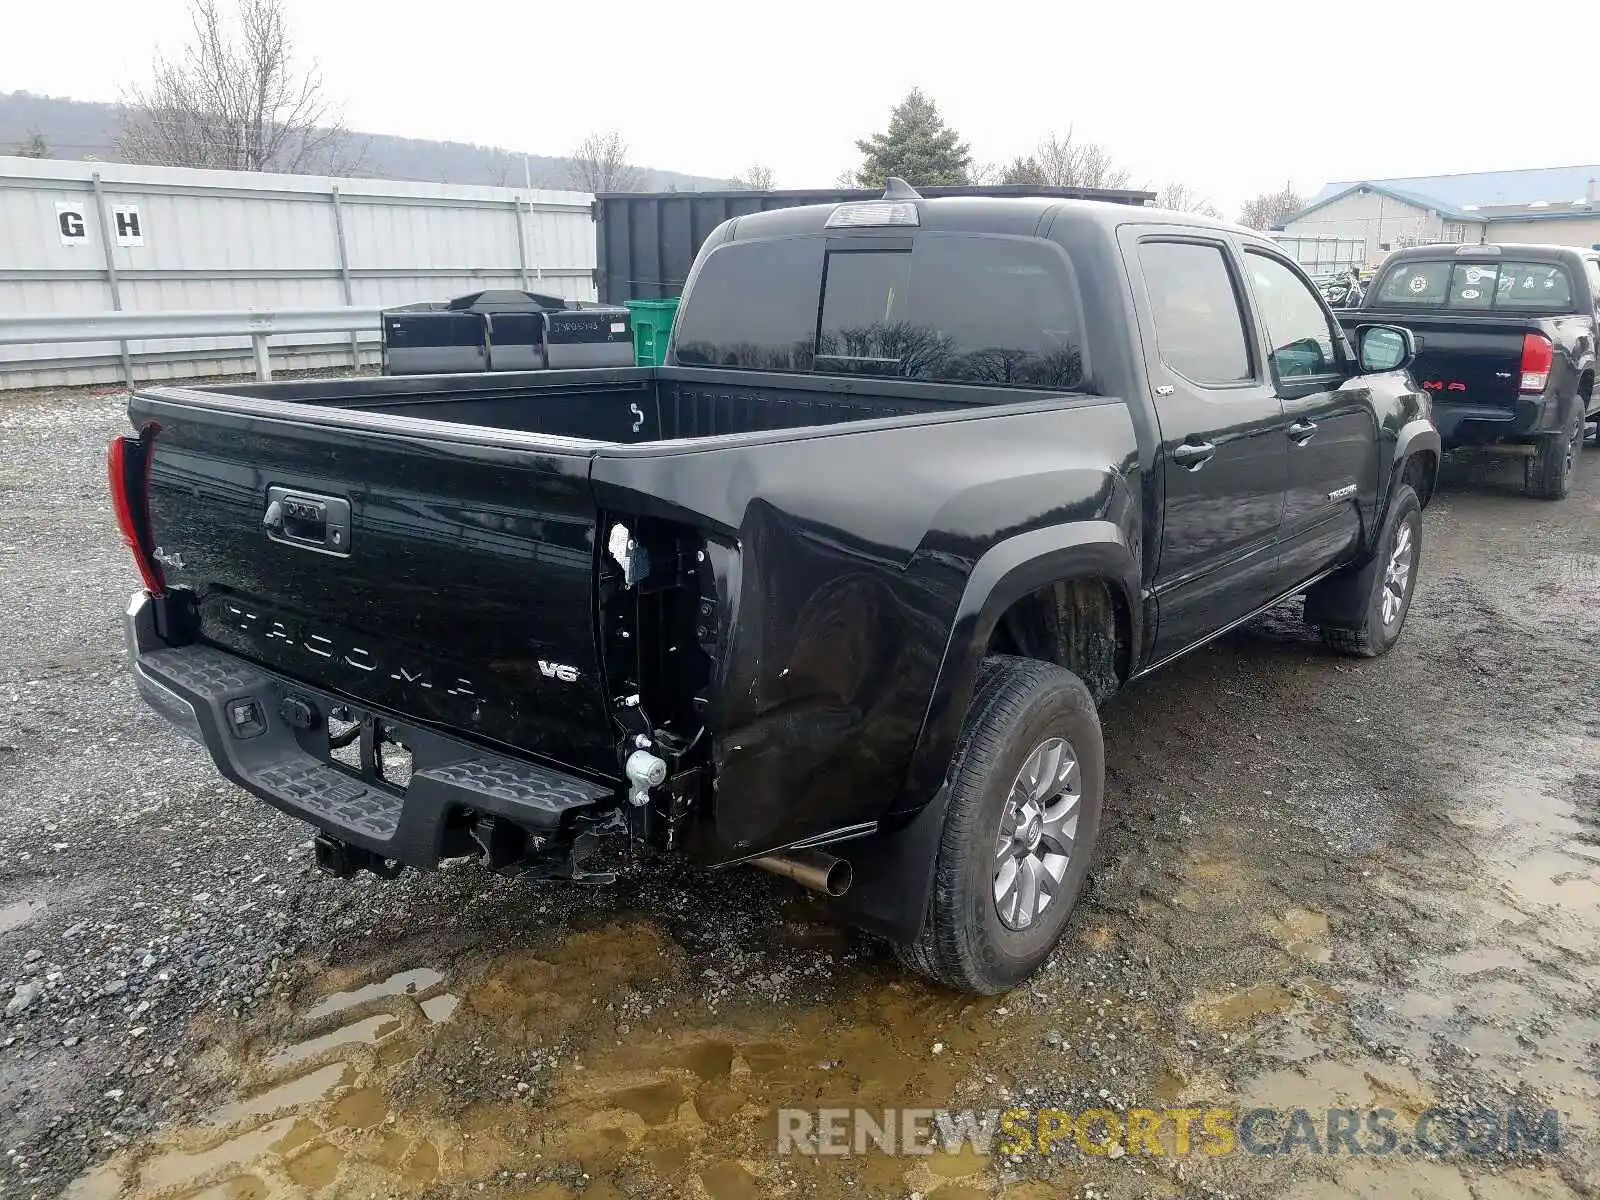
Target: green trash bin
{"points": [[652, 329]]}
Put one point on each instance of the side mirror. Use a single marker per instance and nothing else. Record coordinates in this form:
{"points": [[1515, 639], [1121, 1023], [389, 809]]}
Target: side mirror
{"points": [[1384, 348]]}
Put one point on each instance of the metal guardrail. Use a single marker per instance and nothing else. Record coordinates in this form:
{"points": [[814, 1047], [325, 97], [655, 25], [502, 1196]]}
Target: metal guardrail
{"points": [[258, 324]]}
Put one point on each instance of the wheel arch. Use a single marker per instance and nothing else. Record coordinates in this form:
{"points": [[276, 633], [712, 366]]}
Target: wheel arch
{"points": [[1024, 574], [1417, 452]]}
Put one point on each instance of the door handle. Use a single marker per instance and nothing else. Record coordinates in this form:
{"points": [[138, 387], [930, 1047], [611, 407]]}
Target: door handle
{"points": [[1301, 431], [1193, 455]]}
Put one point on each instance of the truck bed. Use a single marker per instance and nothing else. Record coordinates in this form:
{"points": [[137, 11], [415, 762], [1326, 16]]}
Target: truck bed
{"points": [[625, 405]]}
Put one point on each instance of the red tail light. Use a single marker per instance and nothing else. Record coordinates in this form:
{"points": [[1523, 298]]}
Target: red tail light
{"points": [[128, 472], [1538, 353]]}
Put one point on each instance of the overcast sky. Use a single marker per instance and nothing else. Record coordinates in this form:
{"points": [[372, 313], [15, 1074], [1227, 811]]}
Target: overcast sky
{"points": [[1229, 97]]}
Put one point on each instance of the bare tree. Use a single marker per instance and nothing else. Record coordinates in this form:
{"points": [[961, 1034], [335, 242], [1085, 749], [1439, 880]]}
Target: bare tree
{"points": [[498, 168], [1180, 197], [1271, 209], [1065, 162], [600, 164], [234, 98], [758, 178]]}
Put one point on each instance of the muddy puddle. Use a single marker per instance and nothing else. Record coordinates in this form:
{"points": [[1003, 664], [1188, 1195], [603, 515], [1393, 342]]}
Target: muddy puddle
{"points": [[1491, 1006], [566, 1070], [19, 913]]}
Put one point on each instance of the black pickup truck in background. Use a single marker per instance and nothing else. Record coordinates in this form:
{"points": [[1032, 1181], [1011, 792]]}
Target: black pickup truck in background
{"points": [[837, 592], [1505, 338]]}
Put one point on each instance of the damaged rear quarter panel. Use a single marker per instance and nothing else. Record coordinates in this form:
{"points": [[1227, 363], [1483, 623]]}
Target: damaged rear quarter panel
{"points": [[842, 559]]}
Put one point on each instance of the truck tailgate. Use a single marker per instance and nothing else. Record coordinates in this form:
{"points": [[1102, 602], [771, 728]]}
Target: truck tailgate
{"points": [[1463, 359], [445, 580]]}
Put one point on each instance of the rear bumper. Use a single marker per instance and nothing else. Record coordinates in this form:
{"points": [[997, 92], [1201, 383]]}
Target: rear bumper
{"points": [[269, 735], [1474, 424]]}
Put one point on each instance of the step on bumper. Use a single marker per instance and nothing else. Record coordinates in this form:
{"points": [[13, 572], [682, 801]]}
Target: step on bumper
{"points": [[270, 736]]}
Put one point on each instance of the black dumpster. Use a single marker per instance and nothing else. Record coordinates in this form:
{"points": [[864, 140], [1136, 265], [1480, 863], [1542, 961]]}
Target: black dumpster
{"points": [[646, 241]]}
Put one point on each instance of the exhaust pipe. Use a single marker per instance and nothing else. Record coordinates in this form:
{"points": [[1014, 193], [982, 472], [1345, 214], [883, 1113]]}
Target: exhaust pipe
{"points": [[810, 869]]}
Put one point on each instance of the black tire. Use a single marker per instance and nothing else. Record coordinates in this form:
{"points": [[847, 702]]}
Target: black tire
{"points": [[1348, 608], [1550, 470], [1019, 706]]}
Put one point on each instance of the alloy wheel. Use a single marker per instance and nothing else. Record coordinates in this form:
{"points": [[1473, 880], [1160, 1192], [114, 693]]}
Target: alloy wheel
{"points": [[1038, 827], [1397, 574]]}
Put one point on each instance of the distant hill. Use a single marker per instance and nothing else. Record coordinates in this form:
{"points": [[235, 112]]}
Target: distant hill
{"points": [[79, 129]]}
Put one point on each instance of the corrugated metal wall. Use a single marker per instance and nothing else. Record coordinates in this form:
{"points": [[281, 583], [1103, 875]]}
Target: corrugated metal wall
{"points": [[648, 240], [94, 237]]}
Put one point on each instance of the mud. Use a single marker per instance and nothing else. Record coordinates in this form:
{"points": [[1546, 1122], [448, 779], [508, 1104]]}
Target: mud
{"points": [[1322, 882]]}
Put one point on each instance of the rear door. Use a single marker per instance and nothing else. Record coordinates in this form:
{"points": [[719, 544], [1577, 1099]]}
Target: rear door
{"points": [[1223, 450], [1331, 435], [445, 579]]}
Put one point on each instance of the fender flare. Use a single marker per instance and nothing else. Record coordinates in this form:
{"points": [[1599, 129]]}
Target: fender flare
{"points": [[1587, 366], [1008, 571], [1414, 436]]}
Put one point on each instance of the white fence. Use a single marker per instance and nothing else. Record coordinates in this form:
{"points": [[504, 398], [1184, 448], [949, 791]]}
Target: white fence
{"points": [[1322, 255], [91, 237]]}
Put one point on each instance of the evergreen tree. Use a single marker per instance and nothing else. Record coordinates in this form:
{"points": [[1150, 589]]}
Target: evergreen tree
{"points": [[918, 147]]}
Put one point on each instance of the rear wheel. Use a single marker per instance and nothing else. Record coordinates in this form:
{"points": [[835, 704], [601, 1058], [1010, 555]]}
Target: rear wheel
{"points": [[1019, 831], [1550, 470], [1361, 610]]}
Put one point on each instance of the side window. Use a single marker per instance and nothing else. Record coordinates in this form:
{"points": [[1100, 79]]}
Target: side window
{"points": [[1199, 326], [1297, 327]]}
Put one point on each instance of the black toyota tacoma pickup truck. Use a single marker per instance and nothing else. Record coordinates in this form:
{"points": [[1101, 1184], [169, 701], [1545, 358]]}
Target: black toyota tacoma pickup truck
{"points": [[836, 592], [1505, 339]]}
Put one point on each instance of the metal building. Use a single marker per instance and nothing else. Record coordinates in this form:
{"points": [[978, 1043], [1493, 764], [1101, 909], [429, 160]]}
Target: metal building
{"points": [[95, 237]]}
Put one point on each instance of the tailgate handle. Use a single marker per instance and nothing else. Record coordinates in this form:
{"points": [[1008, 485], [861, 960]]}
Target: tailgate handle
{"points": [[307, 520]]}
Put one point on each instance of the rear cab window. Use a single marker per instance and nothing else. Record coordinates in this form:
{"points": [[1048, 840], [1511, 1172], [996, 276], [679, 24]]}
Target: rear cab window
{"points": [[1479, 286], [940, 307]]}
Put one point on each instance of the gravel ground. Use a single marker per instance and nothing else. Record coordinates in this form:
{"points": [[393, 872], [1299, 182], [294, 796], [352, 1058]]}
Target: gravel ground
{"points": [[1321, 882]]}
